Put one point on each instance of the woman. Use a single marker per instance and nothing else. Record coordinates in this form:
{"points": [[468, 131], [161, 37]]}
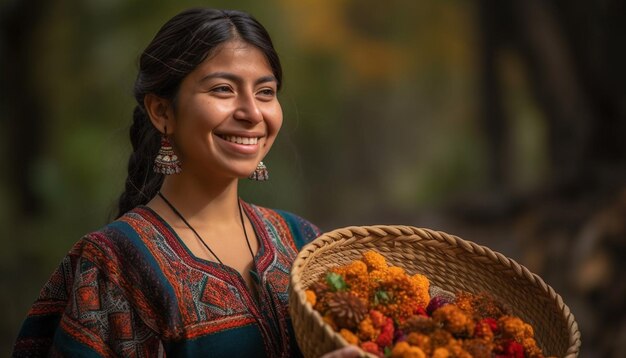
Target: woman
{"points": [[187, 269]]}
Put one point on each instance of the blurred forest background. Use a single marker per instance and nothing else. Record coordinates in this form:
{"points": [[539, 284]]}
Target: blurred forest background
{"points": [[502, 122]]}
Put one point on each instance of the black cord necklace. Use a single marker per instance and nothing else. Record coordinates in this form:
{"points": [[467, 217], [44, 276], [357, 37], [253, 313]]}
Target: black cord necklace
{"points": [[243, 225]]}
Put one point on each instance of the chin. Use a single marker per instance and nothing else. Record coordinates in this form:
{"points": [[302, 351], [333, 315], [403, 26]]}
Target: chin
{"points": [[244, 173]]}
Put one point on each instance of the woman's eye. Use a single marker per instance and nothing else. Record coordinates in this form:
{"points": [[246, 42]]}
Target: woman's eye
{"points": [[221, 89], [267, 92]]}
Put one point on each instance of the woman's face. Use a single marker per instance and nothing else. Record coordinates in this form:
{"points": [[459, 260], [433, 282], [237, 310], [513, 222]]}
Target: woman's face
{"points": [[227, 114]]}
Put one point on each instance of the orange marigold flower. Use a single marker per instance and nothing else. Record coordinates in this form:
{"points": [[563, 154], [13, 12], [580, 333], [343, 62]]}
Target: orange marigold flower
{"points": [[366, 331], [399, 349], [310, 297], [481, 305], [349, 336], [440, 338], [377, 276], [396, 270], [374, 260], [514, 327], [360, 288], [464, 301], [421, 287], [419, 340], [378, 319], [356, 277], [530, 346], [454, 320], [404, 350], [528, 330], [396, 294], [441, 353], [414, 352], [456, 348], [478, 347], [356, 268]]}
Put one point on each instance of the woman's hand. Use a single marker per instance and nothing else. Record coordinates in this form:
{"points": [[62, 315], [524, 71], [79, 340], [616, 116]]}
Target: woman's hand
{"points": [[345, 352]]}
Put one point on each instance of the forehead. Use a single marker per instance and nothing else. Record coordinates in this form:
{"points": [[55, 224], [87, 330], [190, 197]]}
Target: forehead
{"points": [[237, 57]]}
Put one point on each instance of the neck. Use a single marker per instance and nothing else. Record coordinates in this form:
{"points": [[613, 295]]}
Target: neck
{"points": [[201, 203]]}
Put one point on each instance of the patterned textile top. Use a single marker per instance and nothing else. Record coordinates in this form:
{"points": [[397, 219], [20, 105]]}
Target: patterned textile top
{"points": [[133, 289]]}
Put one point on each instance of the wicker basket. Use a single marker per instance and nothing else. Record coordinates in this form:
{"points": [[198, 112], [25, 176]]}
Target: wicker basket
{"points": [[449, 262]]}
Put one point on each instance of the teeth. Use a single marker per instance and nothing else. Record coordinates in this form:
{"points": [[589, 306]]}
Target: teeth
{"points": [[241, 140]]}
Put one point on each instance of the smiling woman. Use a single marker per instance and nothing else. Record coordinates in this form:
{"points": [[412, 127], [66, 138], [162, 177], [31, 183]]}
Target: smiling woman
{"points": [[188, 268], [225, 116]]}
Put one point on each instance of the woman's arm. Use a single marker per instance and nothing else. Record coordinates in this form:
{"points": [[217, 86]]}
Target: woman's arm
{"points": [[80, 312]]}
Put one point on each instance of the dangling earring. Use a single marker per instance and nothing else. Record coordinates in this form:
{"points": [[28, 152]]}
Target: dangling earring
{"points": [[260, 173], [166, 161]]}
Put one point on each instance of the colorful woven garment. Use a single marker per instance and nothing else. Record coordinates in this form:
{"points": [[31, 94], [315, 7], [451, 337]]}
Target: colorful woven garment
{"points": [[132, 289]]}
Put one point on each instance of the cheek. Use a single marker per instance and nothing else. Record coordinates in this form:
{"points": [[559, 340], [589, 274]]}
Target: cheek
{"points": [[198, 122], [273, 121], [276, 121], [193, 129]]}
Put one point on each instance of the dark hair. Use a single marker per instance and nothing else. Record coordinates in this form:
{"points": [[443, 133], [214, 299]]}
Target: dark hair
{"points": [[176, 50]]}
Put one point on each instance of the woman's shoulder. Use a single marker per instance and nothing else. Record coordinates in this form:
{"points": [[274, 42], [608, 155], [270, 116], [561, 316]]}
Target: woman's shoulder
{"points": [[117, 242], [301, 230]]}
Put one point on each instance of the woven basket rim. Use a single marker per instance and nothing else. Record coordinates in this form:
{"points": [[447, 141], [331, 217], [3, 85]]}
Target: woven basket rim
{"points": [[337, 236]]}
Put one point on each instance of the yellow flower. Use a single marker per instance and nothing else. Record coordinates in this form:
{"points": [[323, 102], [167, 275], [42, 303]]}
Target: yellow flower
{"points": [[395, 270], [367, 332], [349, 336], [399, 349], [513, 327], [441, 353], [454, 320], [421, 287], [404, 350], [355, 276], [374, 260], [397, 294], [310, 297], [419, 340]]}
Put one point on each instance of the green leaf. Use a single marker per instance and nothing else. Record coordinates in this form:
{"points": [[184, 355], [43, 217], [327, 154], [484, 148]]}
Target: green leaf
{"points": [[336, 282], [381, 297], [387, 352]]}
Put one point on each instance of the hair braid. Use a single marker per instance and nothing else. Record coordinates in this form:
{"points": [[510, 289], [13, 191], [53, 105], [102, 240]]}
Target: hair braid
{"points": [[142, 182]]}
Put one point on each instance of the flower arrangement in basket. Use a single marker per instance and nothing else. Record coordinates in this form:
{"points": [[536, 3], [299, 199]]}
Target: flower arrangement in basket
{"points": [[388, 313], [389, 290]]}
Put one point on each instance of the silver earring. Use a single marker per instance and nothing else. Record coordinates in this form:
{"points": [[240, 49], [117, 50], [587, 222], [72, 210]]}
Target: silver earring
{"points": [[166, 161], [260, 173]]}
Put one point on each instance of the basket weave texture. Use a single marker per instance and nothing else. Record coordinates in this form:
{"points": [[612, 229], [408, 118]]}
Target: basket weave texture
{"points": [[450, 263]]}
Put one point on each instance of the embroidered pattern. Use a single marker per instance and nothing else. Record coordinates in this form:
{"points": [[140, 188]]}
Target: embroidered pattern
{"points": [[132, 289]]}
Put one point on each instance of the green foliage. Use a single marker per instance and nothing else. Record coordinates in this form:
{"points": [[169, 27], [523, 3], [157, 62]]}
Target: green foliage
{"points": [[336, 282], [387, 351], [382, 297]]}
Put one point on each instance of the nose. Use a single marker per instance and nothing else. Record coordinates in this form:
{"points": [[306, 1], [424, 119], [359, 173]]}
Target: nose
{"points": [[248, 109]]}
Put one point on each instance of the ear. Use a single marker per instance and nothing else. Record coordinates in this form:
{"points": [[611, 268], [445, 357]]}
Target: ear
{"points": [[159, 110]]}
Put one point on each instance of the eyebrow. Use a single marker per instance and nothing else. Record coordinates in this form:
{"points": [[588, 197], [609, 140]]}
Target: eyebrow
{"points": [[233, 77]]}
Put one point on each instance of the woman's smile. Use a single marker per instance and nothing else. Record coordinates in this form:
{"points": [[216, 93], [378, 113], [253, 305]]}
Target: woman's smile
{"points": [[247, 145]]}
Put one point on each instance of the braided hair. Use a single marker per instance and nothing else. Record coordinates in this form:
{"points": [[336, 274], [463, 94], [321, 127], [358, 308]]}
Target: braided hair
{"points": [[177, 49]]}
